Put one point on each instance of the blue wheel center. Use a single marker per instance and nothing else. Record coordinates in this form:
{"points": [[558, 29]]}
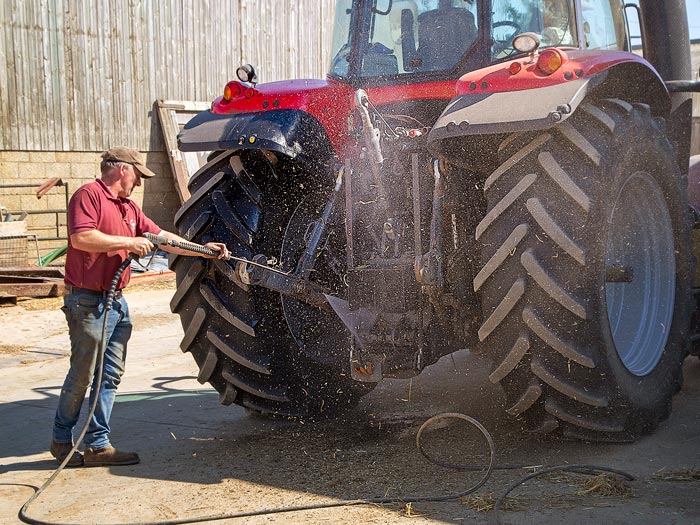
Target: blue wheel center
{"points": [[640, 304]]}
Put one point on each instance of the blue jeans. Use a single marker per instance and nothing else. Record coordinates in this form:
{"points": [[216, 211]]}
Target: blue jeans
{"points": [[85, 315]]}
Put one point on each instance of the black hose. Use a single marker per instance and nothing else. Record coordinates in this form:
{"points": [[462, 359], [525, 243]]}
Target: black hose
{"points": [[96, 384], [343, 503], [683, 86], [590, 470]]}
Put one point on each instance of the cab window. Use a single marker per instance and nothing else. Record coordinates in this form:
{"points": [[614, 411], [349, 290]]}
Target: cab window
{"points": [[412, 36], [603, 24], [553, 20]]}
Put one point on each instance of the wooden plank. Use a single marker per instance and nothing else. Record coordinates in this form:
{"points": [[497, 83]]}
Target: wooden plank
{"points": [[20, 34], [27, 279], [32, 289], [99, 66], [4, 78], [58, 68], [57, 273], [173, 115]]}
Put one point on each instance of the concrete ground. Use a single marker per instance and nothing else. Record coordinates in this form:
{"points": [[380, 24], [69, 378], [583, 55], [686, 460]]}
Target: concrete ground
{"points": [[200, 458]]}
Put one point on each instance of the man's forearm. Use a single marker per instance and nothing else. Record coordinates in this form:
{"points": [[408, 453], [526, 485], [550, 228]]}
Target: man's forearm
{"points": [[95, 241]]}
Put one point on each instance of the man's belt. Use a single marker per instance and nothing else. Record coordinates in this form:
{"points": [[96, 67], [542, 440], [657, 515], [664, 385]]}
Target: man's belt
{"points": [[87, 291]]}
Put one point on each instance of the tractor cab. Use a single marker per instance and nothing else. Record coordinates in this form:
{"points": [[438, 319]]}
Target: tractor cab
{"points": [[407, 41]]}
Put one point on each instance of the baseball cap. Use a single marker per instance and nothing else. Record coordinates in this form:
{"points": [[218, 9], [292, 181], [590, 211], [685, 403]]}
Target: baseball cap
{"points": [[130, 156]]}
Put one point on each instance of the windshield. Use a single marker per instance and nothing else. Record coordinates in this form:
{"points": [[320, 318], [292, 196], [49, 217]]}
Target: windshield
{"points": [[407, 36], [553, 20], [398, 37]]}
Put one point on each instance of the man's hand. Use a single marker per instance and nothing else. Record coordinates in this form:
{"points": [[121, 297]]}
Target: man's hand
{"points": [[217, 247], [140, 246]]}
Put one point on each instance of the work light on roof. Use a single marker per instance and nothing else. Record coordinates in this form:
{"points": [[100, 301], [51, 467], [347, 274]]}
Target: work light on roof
{"points": [[246, 73], [526, 42]]}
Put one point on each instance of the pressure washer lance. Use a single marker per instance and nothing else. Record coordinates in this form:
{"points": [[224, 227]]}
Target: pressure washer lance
{"points": [[162, 240]]}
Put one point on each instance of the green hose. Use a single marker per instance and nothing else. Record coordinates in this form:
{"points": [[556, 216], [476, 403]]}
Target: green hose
{"points": [[52, 256]]}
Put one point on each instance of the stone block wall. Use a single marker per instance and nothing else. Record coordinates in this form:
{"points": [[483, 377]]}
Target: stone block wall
{"points": [[157, 196]]}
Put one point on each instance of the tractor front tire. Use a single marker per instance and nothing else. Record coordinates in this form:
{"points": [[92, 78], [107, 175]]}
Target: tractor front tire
{"points": [[585, 274], [237, 333]]}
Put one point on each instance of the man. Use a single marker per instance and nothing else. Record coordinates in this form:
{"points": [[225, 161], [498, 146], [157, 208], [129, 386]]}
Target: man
{"points": [[104, 226]]}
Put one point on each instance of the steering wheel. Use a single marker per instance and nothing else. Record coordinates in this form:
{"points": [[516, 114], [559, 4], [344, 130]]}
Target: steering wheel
{"points": [[500, 46], [506, 23]]}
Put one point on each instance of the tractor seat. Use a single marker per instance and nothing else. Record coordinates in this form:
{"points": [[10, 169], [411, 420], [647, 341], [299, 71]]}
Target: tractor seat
{"points": [[444, 35]]}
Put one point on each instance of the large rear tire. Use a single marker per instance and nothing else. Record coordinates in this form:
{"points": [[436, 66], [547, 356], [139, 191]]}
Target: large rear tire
{"points": [[237, 333], [585, 273]]}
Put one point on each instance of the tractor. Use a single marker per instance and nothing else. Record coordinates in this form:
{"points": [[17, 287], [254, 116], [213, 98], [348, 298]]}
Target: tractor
{"points": [[500, 175]]}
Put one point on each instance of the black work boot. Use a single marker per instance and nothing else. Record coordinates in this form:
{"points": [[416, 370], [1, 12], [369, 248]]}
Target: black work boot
{"points": [[109, 456], [61, 450]]}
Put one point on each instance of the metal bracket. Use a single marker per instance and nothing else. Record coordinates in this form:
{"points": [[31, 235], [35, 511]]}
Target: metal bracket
{"points": [[286, 284], [428, 267]]}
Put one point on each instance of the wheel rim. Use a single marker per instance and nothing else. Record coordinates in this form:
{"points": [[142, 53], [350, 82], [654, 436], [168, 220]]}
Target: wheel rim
{"points": [[641, 239], [316, 332]]}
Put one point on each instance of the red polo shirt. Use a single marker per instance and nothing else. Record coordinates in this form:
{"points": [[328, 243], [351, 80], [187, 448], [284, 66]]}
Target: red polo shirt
{"points": [[93, 207]]}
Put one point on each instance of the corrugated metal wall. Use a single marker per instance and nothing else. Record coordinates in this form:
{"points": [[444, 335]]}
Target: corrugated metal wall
{"points": [[82, 75]]}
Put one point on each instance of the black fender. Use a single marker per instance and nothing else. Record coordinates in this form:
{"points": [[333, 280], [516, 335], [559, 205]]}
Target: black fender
{"points": [[635, 82], [289, 132]]}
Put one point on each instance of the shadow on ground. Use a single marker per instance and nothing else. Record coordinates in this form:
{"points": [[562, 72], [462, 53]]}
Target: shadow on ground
{"points": [[234, 457]]}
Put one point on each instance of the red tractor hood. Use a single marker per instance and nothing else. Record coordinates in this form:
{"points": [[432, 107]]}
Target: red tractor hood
{"points": [[269, 116], [305, 95]]}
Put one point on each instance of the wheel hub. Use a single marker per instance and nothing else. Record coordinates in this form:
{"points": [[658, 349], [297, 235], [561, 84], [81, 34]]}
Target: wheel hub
{"points": [[640, 274]]}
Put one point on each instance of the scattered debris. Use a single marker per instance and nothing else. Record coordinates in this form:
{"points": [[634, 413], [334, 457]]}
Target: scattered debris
{"points": [[484, 502], [41, 303], [677, 475], [11, 349], [409, 512], [606, 485]]}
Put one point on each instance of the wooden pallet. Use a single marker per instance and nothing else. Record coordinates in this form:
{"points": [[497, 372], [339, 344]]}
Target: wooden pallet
{"points": [[30, 282]]}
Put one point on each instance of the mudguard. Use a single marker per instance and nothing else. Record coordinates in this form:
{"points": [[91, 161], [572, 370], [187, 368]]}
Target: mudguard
{"points": [[289, 132], [506, 112], [494, 100]]}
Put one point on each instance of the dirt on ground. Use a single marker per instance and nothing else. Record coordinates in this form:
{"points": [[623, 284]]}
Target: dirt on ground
{"points": [[201, 458]]}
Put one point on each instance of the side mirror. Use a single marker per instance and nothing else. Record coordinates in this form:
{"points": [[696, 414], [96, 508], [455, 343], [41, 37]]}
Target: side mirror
{"points": [[408, 40]]}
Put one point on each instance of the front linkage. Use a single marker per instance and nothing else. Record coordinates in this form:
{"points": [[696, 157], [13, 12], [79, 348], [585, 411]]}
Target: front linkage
{"points": [[398, 295]]}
